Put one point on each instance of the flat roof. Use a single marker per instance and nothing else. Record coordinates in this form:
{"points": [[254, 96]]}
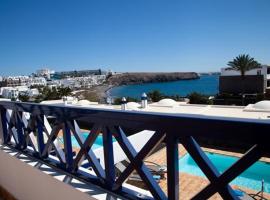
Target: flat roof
{"points": [[247, 112], [213, 110]]}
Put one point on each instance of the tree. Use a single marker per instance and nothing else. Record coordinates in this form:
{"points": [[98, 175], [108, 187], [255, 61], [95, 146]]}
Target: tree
{"points": [[197, 98], [243, 63], [39, 98], [155, 95], [24, 97], [64, 91]]}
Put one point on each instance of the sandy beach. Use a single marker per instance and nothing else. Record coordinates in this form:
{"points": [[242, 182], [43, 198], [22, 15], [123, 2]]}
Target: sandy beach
{"points": [[96, 93]]}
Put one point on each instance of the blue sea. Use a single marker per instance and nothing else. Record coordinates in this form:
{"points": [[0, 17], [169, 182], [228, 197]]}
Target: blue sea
{"points": [[207, 84]]}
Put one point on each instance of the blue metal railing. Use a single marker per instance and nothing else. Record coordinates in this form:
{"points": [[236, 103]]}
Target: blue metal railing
{"points": [[21, 120]]}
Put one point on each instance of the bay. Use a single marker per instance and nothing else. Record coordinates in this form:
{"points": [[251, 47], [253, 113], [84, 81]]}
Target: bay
{"points": [[207, 84]]}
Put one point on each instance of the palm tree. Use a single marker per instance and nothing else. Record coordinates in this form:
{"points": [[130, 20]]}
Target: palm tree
{"points": [[243, 63]]}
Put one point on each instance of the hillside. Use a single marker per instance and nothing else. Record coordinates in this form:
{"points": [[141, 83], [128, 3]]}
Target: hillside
{"points": [[138, 78]]}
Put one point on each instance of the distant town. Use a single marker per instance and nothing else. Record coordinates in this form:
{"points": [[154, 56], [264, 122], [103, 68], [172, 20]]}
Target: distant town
{"points": [[46, 84], [13, 87]]}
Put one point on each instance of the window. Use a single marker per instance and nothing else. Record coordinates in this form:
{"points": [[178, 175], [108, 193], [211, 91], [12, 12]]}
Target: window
{"points": [[268, 70]]}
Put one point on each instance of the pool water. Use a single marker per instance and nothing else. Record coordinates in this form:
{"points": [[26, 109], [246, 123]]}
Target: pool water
{"points": [[251, 178], [97, 144]]}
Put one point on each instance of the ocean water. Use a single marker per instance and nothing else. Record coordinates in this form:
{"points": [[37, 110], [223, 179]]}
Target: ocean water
{"points": [[250, 178], [207, 84]]}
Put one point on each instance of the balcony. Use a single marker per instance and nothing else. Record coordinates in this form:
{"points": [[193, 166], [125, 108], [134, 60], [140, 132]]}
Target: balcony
{"points": [[32, 132]]}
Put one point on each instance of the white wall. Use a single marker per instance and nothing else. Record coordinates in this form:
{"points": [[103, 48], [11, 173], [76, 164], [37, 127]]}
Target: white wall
{"points": [[237, 73], [27, 183], [263, 70]]}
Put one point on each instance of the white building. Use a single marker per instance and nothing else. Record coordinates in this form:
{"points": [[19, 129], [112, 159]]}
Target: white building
{"points": [[14, 92], [83, 82], [264, 70], [32, 92], [37, 81], [256, 80], [12, 81], [69, 82], [54, 83], [6, 92], [100, 78], [45, 73]]}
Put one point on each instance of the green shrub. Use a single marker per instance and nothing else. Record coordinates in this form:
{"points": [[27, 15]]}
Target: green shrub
{"points": [[197, 98], [24, 97], [155, 95]]}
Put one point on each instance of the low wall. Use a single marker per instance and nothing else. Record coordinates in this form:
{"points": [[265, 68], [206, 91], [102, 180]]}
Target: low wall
{"points": [[27, 183], [235, 84]]}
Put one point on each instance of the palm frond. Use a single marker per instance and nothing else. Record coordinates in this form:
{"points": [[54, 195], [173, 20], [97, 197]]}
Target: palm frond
{"points": [[243, 63]]}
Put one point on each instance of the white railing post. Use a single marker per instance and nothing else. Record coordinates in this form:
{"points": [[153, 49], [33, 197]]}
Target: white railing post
{"points": [[123, 104], [144, 100], [1, 132]]}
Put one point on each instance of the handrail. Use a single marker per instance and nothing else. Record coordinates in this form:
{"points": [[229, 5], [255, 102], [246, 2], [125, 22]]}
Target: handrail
{"points": [[169, 128]]}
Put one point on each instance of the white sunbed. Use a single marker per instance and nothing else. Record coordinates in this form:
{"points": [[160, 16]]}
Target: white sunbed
{"points": [[137, 140]]}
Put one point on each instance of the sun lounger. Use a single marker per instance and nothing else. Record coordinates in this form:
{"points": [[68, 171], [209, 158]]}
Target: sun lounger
{"points": [[120, 167], [137, 140], [156, 168], [242, 195]]}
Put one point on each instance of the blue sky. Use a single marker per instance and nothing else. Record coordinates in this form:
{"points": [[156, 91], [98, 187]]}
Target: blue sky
{"points": [[131, 35]]}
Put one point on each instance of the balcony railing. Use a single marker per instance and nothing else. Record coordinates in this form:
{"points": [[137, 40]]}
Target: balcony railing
{"points": [[21, 120]]}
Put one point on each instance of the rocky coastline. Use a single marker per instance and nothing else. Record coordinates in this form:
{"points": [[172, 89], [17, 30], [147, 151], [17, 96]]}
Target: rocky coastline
{"points": [[153, 77]]}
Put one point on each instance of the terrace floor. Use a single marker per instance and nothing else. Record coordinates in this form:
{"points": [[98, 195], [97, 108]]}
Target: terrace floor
{"points": [[84, 187]]}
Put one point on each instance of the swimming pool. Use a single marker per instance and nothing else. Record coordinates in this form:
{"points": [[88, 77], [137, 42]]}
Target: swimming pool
{"points": [[251, 178], [98, 142]]}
